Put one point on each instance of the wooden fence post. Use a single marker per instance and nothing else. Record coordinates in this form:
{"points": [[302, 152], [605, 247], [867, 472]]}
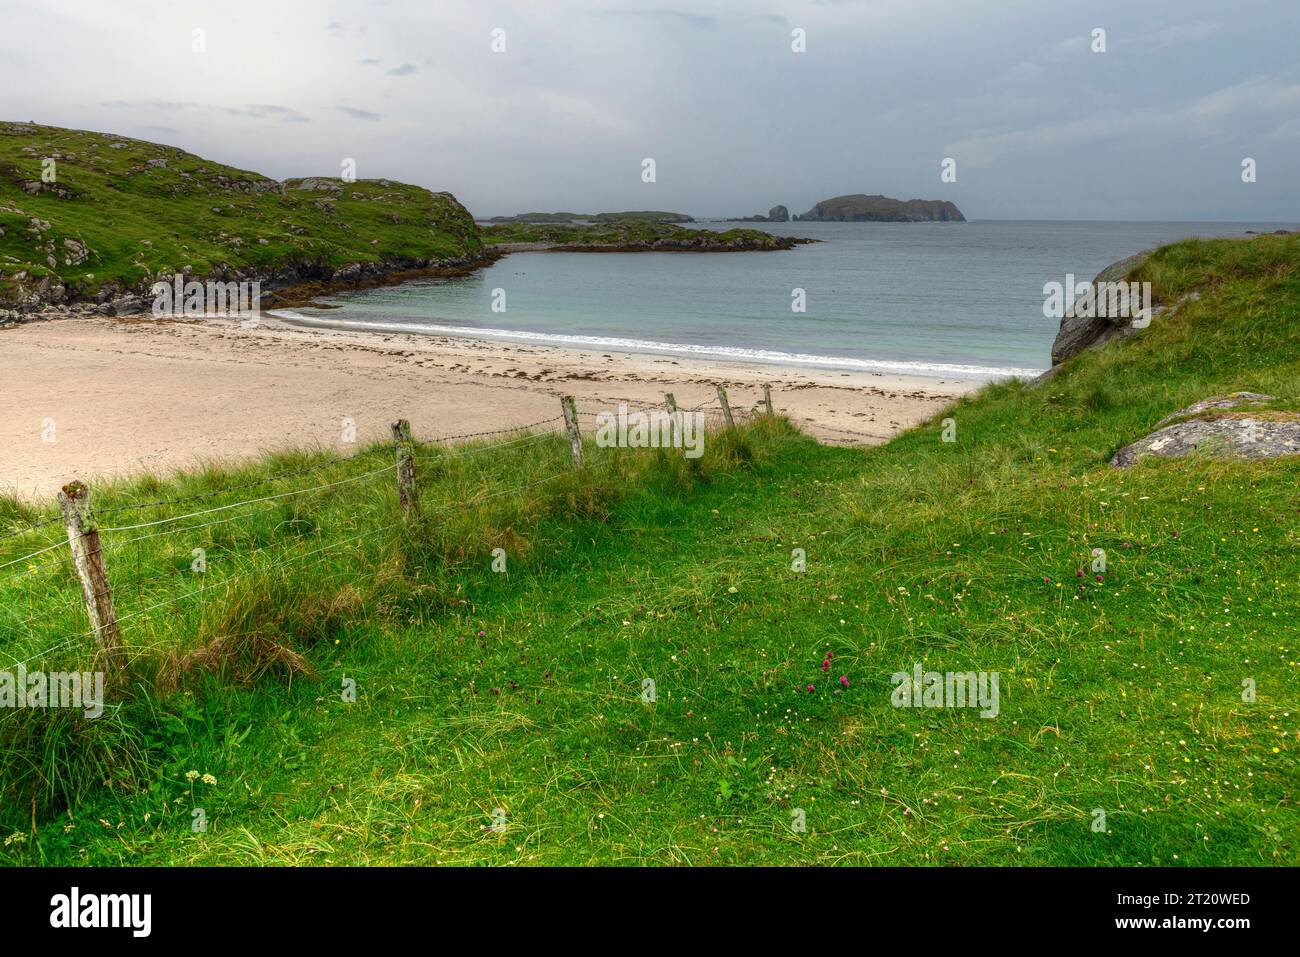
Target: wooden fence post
{"points": [[571, 424], [726, 407], [88, 557], [407, 493], [767, 398]]}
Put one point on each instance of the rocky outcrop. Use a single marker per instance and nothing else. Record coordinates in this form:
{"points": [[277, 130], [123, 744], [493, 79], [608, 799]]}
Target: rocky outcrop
{"points": [[1218, 427], [1217, 403], [1082, 328], [778, 214], [1229, 437], [860, 208]]}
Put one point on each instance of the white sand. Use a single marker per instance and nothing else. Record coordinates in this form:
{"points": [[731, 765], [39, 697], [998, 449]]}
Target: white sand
{"points": [[125, 395]]}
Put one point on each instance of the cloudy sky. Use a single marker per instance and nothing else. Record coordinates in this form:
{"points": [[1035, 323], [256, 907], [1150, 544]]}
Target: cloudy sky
{"points": [[1040, 126]]}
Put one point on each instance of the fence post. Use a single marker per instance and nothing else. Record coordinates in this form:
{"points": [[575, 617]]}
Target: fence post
{"points": [[88, 557], [406, 490], [726, 407], [767, 398], [671, 402], [571, 424]]}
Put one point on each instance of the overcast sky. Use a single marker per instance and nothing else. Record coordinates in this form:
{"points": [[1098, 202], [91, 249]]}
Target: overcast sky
{"points": [[1040, 126]]}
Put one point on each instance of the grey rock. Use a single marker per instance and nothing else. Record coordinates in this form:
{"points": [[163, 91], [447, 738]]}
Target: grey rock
{"points": [[128, 306], [778, 214], [1234, 438], [76, 252], [1079, 332], [1217, 403], [315, 183]]}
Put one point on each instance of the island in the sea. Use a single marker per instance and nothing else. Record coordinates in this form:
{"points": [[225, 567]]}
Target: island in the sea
{"points": [[860, 208], [632, 215]]}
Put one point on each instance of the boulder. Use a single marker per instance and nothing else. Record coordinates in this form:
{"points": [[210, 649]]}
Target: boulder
{"points": [[1217, 403], [1233, 436], [1079, 332], [778, 214]]}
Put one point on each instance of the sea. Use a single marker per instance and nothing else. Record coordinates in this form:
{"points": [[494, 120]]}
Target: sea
{"points": [[951, 300]]}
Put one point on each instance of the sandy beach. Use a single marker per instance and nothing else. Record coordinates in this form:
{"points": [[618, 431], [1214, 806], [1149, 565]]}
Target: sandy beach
{"points": [[108, 397]]}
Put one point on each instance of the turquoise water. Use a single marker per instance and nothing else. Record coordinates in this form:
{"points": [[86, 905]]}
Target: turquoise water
{"points": [[954, 299]]}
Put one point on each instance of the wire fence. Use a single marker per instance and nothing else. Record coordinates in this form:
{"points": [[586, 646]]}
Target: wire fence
{"points": [[86, 543]]}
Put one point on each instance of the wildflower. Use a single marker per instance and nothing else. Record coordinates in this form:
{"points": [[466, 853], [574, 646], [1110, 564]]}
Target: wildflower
{"points": [[1099, 576], [812, 688], [482, 633], [209, 779], [191, 775], [826, 665], [844, 680]]}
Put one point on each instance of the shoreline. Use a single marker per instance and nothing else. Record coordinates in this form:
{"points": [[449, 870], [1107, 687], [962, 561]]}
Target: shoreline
{"points": [[128, 395], [645, 347]]}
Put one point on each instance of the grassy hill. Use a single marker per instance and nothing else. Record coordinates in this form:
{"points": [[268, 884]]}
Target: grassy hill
{"points": [[522, 690], [120, 213]]}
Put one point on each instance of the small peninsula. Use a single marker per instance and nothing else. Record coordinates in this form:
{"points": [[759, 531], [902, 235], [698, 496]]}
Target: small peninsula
{"points": [[629, 236]]}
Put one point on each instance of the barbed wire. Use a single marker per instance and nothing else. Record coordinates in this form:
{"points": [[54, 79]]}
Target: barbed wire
{"points": [[609, 462], [266, 480], [253, 501], [187, 528], [32, 527], [474, 435], [41, 551], [496, 446]]}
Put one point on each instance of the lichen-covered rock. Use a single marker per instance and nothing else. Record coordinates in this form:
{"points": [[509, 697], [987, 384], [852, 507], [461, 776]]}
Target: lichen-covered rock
{"points": [[1217, 403], [1235, 437]]}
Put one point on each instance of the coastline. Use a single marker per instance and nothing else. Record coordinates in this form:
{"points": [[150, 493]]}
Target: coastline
{"points": [[132, 394]]}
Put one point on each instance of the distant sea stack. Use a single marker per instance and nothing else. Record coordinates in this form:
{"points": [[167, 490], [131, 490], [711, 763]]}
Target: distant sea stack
{"points": [[777, 214], [860, 208]]}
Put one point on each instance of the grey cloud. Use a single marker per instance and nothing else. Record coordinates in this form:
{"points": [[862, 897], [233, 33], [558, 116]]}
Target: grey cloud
{"points": [[270, 111], [668, 15], [406, 69], [358, 114]]}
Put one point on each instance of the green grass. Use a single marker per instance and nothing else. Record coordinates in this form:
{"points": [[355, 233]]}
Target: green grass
{"points": [[522, 691], [141, 222]]}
